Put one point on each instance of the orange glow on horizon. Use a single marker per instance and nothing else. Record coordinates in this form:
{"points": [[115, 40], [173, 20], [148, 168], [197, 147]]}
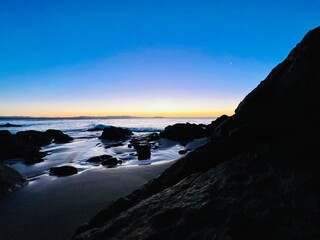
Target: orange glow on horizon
{"points": [[182, 114]]}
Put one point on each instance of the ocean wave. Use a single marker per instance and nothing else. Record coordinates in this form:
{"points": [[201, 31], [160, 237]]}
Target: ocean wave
{"points": [[100, 127], [146, 129]]}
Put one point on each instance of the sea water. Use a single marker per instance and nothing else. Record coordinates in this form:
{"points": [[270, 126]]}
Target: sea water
{"points": [[86, 144], [76, 127]]}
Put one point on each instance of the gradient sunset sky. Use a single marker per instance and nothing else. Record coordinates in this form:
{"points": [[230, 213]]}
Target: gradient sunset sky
{"points": [[142, 58]]}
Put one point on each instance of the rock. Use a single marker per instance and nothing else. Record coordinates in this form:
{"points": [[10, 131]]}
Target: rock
{"points": [[10, 180], [38, 138], [183, 132], [257, 178], [12, 146], [142, 144], [143, 151], [35, 138], [63, 171], [99, 159], [214, 125], [27, 144], [184, 151], [110, 162], [115, 133], [58, 136], [10, 125]]}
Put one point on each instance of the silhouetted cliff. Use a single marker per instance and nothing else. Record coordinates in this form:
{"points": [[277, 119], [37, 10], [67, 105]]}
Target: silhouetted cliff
{"points": [[257, 178]]}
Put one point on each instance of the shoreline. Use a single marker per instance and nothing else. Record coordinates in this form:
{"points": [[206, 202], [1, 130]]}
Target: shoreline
{"points": [[44, 208]]}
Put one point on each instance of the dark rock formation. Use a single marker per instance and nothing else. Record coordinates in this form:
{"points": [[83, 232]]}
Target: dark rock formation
{"points": [[63, 171], [35, 138], [111, 162], [115, 133], [58, 136], [106, 160], [10, 125], [184, 132], [215, 124], [142, 144], [184, 151], [143, 151], [99, 159], [38, 138], [10, 180], [12, 146], [27, 144], [257, 178]]}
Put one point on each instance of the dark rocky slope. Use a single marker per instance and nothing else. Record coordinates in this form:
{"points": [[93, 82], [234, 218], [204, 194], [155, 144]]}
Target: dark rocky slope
{"points": [[10, 180], [257, 178]]}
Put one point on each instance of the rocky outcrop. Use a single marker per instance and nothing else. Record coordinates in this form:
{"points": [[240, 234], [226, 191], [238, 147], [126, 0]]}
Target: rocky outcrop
{"points": [[257, 177], [115, 133], [184, 132], [58, 136], [38, 138], [10, 125], [12, 146], [111, 162], [63, 171], [143, 143], [27, 144], [10, 180]]}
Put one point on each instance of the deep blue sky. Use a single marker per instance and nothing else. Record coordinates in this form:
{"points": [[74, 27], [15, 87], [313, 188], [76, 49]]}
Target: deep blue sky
{"points": [[64, 58]]}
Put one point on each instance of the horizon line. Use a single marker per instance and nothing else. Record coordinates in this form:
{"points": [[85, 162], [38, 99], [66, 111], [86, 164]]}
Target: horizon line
{"points": [[97, 117]]}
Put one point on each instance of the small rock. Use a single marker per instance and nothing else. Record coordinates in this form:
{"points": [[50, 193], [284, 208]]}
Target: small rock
{"points": [[184, 151], [143, 151], [110, 162], [98, 159], [63, 171]]}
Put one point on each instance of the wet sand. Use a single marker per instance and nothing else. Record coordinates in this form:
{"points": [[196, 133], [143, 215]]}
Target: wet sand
{"points": [[53, 208]]}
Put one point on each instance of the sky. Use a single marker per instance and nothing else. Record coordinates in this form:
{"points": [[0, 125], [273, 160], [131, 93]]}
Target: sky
{"points": [[67, 58]]}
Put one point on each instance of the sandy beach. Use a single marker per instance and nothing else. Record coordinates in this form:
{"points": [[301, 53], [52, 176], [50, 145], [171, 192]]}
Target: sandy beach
{"points": [[54, 208]]}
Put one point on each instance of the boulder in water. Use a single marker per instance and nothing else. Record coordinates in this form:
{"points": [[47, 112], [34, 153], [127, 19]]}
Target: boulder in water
{"points": [[184, 132], [115, 133], [63, 171]]}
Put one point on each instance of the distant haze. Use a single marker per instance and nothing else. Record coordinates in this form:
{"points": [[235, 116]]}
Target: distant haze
{"points": [[141, 58]]}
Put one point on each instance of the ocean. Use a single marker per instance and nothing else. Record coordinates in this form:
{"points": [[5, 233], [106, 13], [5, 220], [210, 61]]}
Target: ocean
{"points": [[77, 127]]}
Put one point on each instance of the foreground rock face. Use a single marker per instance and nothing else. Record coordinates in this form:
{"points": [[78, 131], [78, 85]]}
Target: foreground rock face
{"points": [[10, 180], [257, 178]]}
